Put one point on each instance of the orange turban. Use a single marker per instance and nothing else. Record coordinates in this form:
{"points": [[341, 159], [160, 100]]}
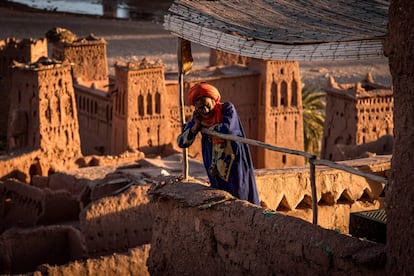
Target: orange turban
{"points": [[206, 90], [203, 90]]}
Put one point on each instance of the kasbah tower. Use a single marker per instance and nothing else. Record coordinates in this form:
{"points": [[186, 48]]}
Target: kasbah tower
{"points": [[24, 51], [73, 107], [145, 107], [139, 120], [41, 132], [44, 101], [280, 112]]}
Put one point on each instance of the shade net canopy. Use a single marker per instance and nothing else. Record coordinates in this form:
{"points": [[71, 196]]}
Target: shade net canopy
{"points": [[323, 30]]}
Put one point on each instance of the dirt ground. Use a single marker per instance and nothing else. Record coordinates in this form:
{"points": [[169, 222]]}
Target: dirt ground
{"points": [[132, 40]]}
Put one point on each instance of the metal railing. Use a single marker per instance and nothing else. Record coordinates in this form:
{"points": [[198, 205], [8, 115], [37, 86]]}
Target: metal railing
{"points": [[313, 161]]}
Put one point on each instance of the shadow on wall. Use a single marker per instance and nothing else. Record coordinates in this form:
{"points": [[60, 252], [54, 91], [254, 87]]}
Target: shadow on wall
{"points": [[382, 146], [219, 235], [16, 174], [116, 224], [81, 218], [109, 209]]}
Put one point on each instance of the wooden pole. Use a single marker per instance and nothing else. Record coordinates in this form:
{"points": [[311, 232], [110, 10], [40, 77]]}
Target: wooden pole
{"points": [[313, 189], [185, 62], [182, 116]]}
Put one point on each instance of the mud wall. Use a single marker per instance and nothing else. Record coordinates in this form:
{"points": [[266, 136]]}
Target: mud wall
{"points": [[99, 212], [190, 223], [115, 224], [24, 250], [132, 262], [199, 231], [399, 47], [288, 191]]}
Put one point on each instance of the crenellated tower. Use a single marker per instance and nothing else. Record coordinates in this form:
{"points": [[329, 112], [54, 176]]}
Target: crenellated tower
{"points": [[92, 86], [11, 49], [280, 112], [139, 120], [43, 110], [87, 55], [357, 114]]}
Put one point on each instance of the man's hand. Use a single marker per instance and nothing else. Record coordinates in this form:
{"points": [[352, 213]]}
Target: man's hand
{"points": [[197, 119]]}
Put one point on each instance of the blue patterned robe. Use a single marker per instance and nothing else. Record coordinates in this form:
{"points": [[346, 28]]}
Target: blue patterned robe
{"points": [[228, 165]]}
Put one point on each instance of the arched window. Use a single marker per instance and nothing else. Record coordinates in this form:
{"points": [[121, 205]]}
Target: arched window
{"points": [[284, 93], [138, 139], [158, 103], [295, 92], [149, 104], [273, 94], [141, 105], [276, 132], [296, 130]]}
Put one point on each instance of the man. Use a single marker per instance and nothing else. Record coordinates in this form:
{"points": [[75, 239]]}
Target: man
{"points": [[228, 163]]}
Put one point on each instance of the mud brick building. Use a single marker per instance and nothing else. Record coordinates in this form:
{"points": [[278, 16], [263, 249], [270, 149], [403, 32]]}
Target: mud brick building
{"points": [[138, 108], [359, 120], [11, 49]]}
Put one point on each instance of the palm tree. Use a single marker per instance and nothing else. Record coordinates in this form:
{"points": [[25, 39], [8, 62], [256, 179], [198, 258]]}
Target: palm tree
{"points": [[313, 100]]}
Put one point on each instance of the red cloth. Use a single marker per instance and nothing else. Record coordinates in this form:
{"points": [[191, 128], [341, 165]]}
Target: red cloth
{"points": [[201, 90], [207, 90]]}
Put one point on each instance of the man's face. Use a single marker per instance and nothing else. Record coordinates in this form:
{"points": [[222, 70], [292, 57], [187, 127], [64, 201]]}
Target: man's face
{"points": [[205, 106]]}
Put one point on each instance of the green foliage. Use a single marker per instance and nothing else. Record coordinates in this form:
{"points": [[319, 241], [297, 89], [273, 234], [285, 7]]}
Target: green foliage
{"points": [[326, 247], [269, 213], [313, 101]]}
